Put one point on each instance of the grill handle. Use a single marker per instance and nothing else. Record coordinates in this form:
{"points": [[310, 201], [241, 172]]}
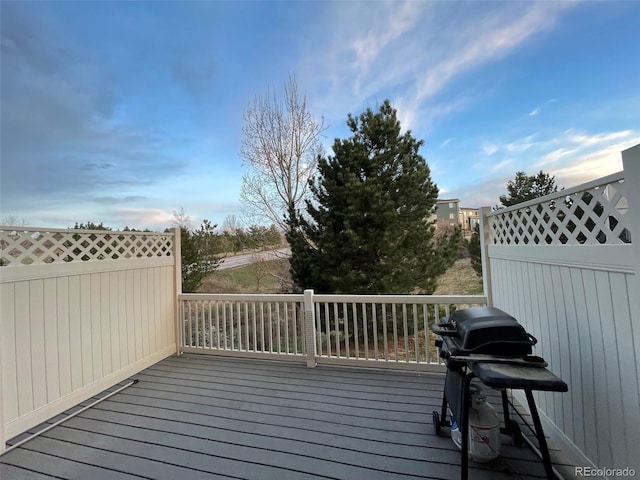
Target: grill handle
{"points": [[439, 329], [463, 351]]}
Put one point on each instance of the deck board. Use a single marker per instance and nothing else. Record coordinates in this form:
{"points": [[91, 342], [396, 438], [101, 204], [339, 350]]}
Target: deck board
{"points": [[220, 418]]}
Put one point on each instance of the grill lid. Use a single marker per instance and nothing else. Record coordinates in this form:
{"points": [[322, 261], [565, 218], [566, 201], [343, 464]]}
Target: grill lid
{"points": [[486, 330]]}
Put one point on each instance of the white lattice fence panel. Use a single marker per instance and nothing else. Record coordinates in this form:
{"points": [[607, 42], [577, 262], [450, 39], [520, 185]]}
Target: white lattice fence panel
{"points": [[592, 215], [36, 246]]}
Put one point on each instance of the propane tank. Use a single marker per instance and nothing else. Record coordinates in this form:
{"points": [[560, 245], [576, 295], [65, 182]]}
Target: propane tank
{"points": [[484, 428]]}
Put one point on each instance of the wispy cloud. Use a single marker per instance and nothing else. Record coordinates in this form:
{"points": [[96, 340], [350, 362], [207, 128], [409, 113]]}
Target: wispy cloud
{"points": [[489, 148], [500, 166], [496, 36], [521, 144], [539, 108], [402, 48], [555, 156]]}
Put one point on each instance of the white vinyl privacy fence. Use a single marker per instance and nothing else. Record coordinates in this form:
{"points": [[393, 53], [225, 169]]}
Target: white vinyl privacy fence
{"points": [[80, 311], [567, 266], [373, 330]]}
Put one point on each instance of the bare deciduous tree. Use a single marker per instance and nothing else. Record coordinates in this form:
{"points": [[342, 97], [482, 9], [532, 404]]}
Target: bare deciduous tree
{"points": [[231, 224], [181, 220], [13, 221], [259, 268], [280, 148]]}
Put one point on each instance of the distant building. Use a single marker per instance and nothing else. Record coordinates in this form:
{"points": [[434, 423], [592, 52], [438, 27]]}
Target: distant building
{"points": [[469, 218], [447, 211]]}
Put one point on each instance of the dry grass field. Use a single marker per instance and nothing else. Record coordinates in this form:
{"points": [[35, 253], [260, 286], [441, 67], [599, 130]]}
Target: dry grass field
{"points": [[273, 277], [260, 277], [460, 279]]}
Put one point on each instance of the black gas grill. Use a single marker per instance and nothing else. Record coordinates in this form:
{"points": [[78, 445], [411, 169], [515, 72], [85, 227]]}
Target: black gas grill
{"points": [[488, 344]]}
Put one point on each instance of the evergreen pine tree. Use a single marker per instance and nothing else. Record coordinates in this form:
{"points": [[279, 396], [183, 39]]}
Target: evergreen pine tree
{"points": [[367, 228], [527, 187]]}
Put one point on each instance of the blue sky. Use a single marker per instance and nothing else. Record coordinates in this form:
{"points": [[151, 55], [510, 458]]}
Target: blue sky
{"points": [[124, 112]]}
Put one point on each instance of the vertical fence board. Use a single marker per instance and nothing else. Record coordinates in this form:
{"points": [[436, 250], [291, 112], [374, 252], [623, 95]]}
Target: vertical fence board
{"points": [[96, 325], [138, 314], [75, 333], [626, 375], [600, 372], [23, 347], [87, 327], [143, 291], [50, 315], [64, 335], [573, 372], [120, 287], [8, 350], [38, 359], [110, 321], [615, 423], [131, 318]]}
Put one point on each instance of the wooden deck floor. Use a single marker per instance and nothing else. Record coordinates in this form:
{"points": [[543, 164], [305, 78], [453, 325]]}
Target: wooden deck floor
{"points": [[200, 417]]}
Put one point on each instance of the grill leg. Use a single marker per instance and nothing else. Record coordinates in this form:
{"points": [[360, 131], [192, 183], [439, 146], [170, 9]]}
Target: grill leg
{"points": [[464, 427], [542, 442], [505, 407], [443, 412]]}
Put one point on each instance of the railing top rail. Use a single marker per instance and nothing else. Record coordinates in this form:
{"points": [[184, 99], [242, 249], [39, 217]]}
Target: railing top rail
{"points": [[419, 299], [615, 177], [11, 229], [242, 297], [335, 298]]}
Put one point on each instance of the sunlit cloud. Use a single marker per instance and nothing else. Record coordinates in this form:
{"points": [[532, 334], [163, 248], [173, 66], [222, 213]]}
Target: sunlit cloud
{"points": [[489, 149], [595, 164], [571, 144], [521, 145], [598, 139], [555, 156], [571, 157], [150, 217]]}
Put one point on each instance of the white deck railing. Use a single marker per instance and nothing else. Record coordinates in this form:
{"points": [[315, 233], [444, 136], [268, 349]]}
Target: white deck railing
{"points": [[377, 330], [243, 324]]}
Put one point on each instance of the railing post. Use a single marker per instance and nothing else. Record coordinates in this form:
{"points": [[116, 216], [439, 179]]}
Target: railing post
{"points": [[177, 258], [485, 241], [631, 166], [310, 328]]}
